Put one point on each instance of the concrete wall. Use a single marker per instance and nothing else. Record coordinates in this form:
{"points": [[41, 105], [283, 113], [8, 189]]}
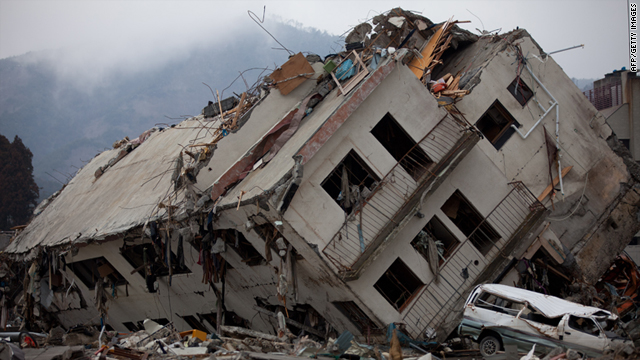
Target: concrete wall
{"points": [[402, 95], [582, 132], [619, 122]]}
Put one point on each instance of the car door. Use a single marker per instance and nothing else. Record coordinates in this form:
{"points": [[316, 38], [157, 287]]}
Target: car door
{"points": [[583, 332]]}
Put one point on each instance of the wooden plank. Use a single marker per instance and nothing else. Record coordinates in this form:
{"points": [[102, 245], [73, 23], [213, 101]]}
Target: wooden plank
{"points": [[555, 182], [361, 69], [292, 73], [454, 92], [454, 84], [418, 65]]}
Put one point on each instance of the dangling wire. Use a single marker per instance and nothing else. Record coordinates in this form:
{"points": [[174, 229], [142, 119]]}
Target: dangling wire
{"points": [[257, 20]]}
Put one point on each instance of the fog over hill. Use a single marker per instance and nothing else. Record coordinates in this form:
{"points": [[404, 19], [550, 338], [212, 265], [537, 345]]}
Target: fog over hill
{"points": [[67, 105]]}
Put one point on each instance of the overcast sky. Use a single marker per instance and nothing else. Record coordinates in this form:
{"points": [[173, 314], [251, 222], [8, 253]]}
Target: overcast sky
{"points": [[128, 33]]}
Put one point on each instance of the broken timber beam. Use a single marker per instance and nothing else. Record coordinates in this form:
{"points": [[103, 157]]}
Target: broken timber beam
{"points": [[290, 322], [555, 182]]}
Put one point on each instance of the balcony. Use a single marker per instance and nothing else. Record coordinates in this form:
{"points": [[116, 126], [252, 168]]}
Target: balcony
{"points": [[513, 217], [396, 197]]}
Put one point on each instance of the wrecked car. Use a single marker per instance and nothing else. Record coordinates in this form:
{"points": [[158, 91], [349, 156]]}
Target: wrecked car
{"points": [[497, 315]]}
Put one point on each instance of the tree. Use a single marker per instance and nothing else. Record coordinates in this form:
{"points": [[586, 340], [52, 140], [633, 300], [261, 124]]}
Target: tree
{"points": [[18, 191]]}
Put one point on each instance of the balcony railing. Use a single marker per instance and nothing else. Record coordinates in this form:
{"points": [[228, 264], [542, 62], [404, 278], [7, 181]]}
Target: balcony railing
{"points": [[383, 208], [436, 301]]}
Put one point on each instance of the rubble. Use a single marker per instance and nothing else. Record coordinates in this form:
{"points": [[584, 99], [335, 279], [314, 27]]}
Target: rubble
{"points": [[334, 199]]}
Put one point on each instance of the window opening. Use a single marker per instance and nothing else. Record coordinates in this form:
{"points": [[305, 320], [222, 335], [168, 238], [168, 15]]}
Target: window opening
{"points": [[194, 323], [402, 147], [273, 240], [587, 326], [398, 284], [496, 123], [519, 89], [239, 243], [445, 241], [353, 312], [136, 254], [210, 318], [351, 181], [131, 326], [513, 308], [460, 211], [90, 270], [626, 143]]}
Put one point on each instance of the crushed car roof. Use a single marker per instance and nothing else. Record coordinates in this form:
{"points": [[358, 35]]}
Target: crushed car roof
{"points": [[548, 305]]}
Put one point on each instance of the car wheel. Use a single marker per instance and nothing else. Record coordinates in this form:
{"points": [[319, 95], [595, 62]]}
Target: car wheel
{"points": [[489, 346]]}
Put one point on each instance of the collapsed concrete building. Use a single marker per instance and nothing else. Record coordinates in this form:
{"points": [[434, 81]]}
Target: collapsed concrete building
{"points": [[375, 187]]}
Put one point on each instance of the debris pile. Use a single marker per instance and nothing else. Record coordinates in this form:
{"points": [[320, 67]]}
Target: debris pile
{"points": [[158, 341]]}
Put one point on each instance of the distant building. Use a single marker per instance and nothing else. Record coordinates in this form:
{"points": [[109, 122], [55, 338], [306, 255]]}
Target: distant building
{"points": [[617, 97], [352, 205]]}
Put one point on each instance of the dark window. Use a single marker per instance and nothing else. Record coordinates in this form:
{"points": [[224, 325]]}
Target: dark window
{"points": [[499, 304], [626, 143], [401, 146], [520, 90], [210, 318], [398, 284], [584, 325], [496, 123], [270, 235], [445, 241], [236, 241], [135, 256], [131, 326], [194, 323], [359, 179], [357, 316], [90, 270], [470, 222]]}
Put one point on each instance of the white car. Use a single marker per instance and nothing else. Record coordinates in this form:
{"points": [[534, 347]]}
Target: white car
{"points": [[496, 315]]}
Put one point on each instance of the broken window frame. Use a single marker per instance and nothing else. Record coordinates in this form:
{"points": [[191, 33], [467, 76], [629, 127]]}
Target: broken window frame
{"points": [[332, 181], [481, 234], [357, 317], [413, 159], [489, 302], [505, 131], [130, 254], [87, 272], [402, 287], [522, 93], [448, 250], [572, 324]]}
